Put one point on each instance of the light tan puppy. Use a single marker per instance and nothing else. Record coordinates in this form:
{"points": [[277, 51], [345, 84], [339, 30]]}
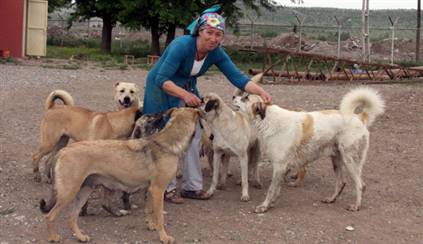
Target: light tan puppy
{"points": [[82, 166], [233, 135], [64, 122], [126, 94], [291, 139]]}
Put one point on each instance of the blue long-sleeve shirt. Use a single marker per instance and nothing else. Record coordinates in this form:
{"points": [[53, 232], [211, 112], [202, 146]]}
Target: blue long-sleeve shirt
{"points": [[176, 64]]}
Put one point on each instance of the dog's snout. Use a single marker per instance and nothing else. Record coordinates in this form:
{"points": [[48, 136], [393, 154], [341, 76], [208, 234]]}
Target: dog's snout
{"points": [[126, 99]]}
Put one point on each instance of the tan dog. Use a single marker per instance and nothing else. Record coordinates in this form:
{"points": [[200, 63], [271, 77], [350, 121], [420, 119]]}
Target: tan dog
{"points": [[233, 135], [64, 122], [291, 139], [126, 94], [82, 166]]}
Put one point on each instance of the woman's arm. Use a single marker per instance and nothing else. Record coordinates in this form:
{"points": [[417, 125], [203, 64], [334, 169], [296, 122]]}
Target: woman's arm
{"points": [[172, 89], [253, 88], [239, 79]]}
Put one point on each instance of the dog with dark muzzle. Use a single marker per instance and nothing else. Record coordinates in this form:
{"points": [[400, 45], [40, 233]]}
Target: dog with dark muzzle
{"points": [[83, 165]]}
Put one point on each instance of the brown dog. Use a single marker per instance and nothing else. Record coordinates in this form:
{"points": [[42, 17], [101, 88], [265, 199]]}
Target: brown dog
{"points": [[82, 166], [64, 122]]}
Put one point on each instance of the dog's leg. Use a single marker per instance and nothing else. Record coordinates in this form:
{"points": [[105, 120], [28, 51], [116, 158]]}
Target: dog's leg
{"points": [[49, 139], [223, 172], [253, 158], [244, 177], [354, 167], [340, 181], [36, 157], [50, 162], [299, 181], [108, 204], [210, 158], [279, 169], [64, 197], [125, 200], [149, 218], [157, 191], [80, 200], [216, 165]]}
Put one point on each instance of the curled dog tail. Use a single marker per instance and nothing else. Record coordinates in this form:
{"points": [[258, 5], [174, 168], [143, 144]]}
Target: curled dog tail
{"points": [[59, 94], [369, 100]]}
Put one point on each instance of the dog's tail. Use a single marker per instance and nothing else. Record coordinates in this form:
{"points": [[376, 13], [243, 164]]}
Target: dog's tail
{"points": [[369, 100], [59, 94]]}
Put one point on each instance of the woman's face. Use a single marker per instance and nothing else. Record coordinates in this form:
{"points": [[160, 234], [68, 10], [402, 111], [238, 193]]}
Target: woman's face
{"points": [[211, 37]]}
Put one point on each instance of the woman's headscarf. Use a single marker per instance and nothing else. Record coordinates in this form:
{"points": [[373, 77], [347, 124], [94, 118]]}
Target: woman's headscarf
{"points": [[208, 18]]}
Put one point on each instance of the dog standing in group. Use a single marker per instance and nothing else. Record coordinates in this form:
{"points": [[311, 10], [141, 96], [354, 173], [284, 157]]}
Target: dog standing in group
{"points": [[240, 97], [232, 136], [64, 122], [291, 139], [83, 165]]}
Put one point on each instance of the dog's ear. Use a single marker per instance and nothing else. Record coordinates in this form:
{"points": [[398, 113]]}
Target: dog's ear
{"points": [[259, 108], [116, 84], [136, 88], [211, 104]]}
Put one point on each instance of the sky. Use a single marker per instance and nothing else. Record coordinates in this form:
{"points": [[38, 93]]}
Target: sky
{"points": [[354, 4]]}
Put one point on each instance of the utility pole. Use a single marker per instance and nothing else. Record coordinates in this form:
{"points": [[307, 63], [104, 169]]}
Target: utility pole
{"points": [[300, 22], [418, 31], [393, 24], [365, 31]]}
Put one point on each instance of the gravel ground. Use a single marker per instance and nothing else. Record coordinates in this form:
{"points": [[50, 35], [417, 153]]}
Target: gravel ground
{"points": [[392, 205]]}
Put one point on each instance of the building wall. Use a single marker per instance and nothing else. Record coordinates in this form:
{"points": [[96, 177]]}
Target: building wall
{"points": [[12, 26]]}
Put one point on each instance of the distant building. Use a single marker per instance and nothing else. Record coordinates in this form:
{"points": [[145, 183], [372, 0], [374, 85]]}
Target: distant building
{"points": [[23, 27]]}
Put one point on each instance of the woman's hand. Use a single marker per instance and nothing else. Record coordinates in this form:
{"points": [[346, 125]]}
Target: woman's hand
{"points": [[253, 88], [192, 100], [266, 97]]}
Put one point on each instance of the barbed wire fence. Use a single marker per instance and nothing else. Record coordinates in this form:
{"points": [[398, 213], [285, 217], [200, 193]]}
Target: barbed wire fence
{"points": [[390, 44]]}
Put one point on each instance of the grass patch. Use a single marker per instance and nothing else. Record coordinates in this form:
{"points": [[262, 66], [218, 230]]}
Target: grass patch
{"points": [[92, 53]]}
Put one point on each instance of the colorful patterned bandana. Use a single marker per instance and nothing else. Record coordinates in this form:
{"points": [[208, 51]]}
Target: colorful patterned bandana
{"points": [[212, 20], [209, 18]]}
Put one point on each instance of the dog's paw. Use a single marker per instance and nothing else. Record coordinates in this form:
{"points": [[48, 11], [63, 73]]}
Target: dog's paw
{"points": [[245, 198], [261, 209], [328, 200], [151, 225], [293, 184], [54, 238], [37, 177], [167, 240], [84, 238], [353, 208], [123, 212], [221, 186], [209, 194], [257, 184], [49, 181]]}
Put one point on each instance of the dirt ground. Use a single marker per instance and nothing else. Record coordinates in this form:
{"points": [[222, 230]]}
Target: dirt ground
{"points": [[392, 209]]}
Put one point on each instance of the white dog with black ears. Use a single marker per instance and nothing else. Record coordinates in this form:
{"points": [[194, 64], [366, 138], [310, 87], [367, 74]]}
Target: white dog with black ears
{"points": [[291, 139]]}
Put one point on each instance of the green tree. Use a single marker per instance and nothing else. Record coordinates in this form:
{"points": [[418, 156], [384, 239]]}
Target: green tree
{"points": [[107, 10], [165, 16], [55, 4]]}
